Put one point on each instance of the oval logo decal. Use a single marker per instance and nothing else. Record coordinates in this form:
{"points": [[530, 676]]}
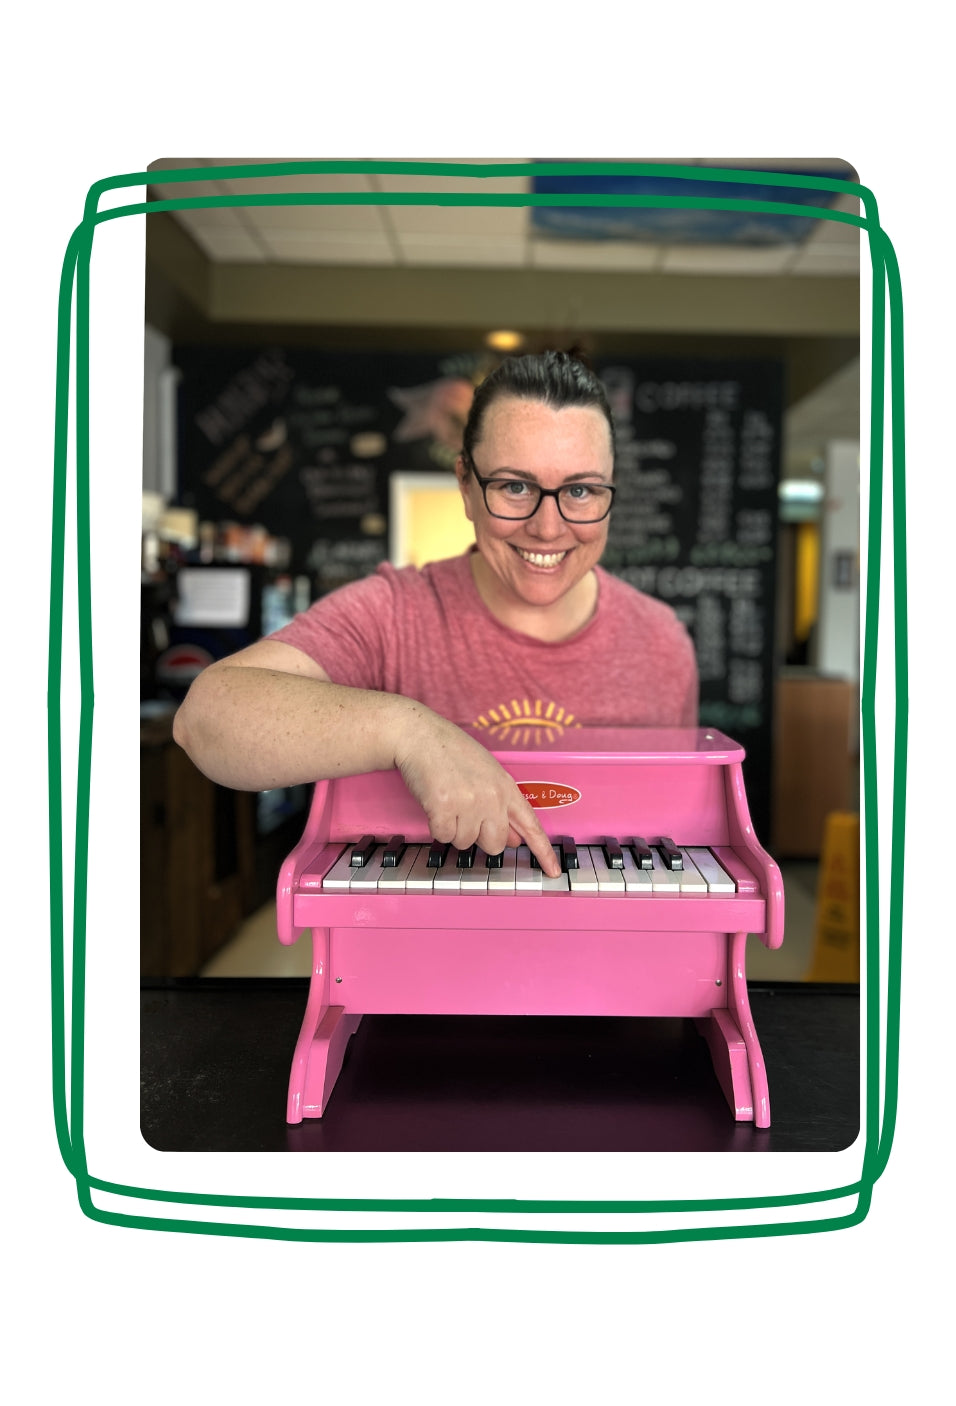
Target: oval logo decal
{"points": [[546, 795]]}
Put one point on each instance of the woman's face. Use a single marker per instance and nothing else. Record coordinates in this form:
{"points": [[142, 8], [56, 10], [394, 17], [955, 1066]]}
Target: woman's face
{"points": [[538, 561]]}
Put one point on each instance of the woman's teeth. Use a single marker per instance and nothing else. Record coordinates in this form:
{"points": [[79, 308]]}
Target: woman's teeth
{"points": [[541, 558]]}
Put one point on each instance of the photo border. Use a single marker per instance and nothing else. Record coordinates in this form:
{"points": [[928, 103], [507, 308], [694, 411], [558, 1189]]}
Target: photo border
{"points": [[73, 331]]}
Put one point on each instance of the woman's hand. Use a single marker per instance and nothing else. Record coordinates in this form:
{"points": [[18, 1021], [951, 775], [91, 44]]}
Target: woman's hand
{"points": [[466, 795]]}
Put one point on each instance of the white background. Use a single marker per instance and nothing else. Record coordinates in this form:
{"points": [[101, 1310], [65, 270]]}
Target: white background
{"points": [[137, 1315]]}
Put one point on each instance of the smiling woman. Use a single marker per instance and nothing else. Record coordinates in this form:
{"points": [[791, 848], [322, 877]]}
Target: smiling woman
{"points": [[540, 502], [524, 630]]}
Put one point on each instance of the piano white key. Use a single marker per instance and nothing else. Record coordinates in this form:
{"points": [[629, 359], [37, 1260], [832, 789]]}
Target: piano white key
{"points": [[558, 885], [635, 880], [396, 879], [527, 878], [583, 879], [366, 878], [691, 879], [503, 880], [475, 879], [421, 879], [664, 880], [718, 880], [448, 877], [608, 880], [340, 875]]}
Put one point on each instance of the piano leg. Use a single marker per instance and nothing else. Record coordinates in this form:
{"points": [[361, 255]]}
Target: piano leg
{"points": [[323, 1040], [734, 1048]]}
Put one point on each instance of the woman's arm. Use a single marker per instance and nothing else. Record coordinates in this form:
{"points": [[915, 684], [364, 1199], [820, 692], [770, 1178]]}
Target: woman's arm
{"points": [[269, 716]]}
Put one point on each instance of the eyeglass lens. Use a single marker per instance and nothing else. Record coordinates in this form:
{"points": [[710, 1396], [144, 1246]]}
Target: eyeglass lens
{"points": [[577, 502]]}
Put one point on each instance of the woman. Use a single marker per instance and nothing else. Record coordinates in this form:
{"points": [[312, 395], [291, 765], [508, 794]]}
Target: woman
{"points": [[524, 632]]}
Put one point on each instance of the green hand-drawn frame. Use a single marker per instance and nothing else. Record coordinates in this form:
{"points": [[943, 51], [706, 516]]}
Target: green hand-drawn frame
{"points": [[68, 1113]]}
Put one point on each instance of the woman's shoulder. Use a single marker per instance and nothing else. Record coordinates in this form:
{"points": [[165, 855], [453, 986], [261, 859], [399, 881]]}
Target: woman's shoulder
{"points": [[414, 588], [431, 575], [621, 595]]}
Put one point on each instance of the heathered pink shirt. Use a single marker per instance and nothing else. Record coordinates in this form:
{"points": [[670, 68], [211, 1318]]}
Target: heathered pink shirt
{"points": [[427, 634]]}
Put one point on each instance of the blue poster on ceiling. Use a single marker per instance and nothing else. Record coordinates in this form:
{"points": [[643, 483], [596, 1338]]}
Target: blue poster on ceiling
{"points": [[693, 225]]}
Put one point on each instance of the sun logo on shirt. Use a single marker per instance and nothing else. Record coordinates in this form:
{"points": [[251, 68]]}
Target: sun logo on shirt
{"points": [[523, 721]]}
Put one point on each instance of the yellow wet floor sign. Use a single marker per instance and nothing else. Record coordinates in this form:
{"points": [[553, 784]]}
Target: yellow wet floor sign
{"points": [[836, 949]]}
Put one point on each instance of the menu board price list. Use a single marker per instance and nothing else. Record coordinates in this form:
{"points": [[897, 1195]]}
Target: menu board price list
{"points": [[695, 525]]}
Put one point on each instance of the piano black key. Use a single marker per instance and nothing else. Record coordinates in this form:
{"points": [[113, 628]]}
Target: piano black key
{"points": [[569, 851], [502, 879], [437, 854], [393, 852], [692, 880], [669, 852], [466, 857], [613, 855], [582, 876], [495, 861], [641, 851], [422, 875], [665, 880], [448, 877], [362, 851], [395, 878], [528, 873], [609, 879], [474, 879], [636, 879]]}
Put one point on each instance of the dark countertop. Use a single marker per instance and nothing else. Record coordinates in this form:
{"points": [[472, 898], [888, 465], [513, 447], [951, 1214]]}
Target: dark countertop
{"points": [[216, 1054]]}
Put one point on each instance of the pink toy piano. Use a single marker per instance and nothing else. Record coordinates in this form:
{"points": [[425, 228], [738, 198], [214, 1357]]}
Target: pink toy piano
{"points": [[662, 880]]}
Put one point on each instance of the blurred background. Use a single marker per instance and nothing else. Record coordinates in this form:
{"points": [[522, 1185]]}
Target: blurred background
{"points": [[308, 370]]}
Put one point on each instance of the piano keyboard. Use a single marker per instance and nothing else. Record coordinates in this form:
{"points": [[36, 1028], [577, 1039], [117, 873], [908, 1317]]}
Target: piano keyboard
{"points": [[610, 866], [369, 887]]}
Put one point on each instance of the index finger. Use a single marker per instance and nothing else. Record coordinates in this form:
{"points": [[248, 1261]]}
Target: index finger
{"points": [[528, 826]]}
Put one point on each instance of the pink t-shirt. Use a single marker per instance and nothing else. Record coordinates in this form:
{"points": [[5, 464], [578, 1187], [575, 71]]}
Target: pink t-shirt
{"points": [[427, 634]]}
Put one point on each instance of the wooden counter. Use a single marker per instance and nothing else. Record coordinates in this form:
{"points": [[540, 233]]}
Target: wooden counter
{"points": [[197, 858], [815, 760]]}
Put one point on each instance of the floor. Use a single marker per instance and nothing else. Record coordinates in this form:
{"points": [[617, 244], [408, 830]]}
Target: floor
{"points": [[256, 951]]}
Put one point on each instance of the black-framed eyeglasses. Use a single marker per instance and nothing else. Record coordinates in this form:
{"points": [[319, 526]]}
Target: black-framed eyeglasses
{"points": [[517, 499]]}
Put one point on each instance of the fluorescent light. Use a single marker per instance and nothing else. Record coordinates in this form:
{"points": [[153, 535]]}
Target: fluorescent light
{"points": [[801, 490]]}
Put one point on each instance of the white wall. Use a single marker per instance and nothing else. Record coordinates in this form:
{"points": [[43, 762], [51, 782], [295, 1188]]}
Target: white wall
{"points": [[837, 649], [159, 419]]}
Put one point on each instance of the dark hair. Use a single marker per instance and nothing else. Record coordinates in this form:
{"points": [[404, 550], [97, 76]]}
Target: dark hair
{"points": [[555, 378]]}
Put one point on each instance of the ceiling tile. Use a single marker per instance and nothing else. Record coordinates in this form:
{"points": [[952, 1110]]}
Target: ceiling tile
{"points": [[510, 185], [231, 246], [346, 183], [462, 220], [830, 259], [832, 232], [423, 249], [341, 219], [711, 259], [328, 247], [214, 218], [611, 255]]}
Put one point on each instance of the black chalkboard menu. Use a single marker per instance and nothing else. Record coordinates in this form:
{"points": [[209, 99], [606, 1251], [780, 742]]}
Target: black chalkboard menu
{"points": [[695, 525], [303, 442]]}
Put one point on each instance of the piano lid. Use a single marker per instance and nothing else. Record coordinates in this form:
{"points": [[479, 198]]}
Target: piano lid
{"points": [[680, 745]]}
